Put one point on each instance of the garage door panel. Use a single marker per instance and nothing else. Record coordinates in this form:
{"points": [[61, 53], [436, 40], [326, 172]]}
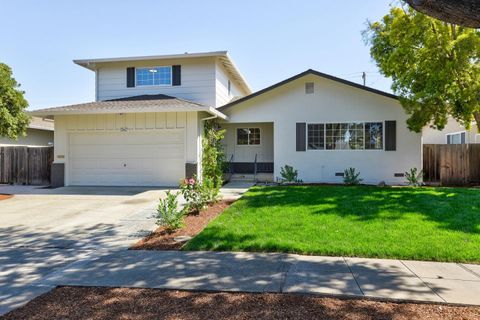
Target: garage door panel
{"points": [[127, 159]]}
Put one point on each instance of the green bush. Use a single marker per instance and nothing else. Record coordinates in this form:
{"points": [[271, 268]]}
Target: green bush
{"points": [[289, 174], [350, 177], [414, 177], [168, 214]]}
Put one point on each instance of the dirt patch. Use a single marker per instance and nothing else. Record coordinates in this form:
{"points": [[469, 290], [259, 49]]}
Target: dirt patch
{"points": [[140, 304], [5, 196], [160, 239]]}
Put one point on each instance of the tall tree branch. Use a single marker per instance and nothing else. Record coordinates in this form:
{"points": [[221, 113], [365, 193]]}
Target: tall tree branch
{"points": [[461, 12]]}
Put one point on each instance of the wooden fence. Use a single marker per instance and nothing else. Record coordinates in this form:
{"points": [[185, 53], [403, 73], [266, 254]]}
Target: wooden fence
{"points": [[452, 164], [25, 165]]}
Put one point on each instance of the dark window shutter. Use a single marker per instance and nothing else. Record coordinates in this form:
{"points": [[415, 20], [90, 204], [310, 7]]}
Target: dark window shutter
{"points": [[390, 135], [130, 77], [301, 139], [462, 138], [176, 75]]}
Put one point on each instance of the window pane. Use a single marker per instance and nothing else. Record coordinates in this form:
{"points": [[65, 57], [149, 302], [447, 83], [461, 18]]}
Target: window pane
{"points": [[373, 135], [154, 76], [456, 138], [254, 137], [242, 136], [316, 137], [344, 136]]}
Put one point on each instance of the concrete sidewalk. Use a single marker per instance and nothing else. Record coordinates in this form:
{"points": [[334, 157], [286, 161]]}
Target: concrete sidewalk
{"points": [[264, 272]]}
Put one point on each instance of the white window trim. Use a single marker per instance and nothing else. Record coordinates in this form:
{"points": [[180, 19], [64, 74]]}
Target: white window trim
{"points": [[154, 85], [325, 136], [454, 133], [248, 145]]}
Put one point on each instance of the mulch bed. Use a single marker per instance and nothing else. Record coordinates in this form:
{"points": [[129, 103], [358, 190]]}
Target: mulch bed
{"points": [[160, 239], [5, 196], [139, 304]]}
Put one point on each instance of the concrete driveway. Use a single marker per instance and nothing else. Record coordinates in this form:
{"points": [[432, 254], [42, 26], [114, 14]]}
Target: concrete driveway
{"points": [[73, 217], [43, 230]]}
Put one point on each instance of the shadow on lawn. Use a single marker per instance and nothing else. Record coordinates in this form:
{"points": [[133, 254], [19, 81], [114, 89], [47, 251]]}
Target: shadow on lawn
{"points": [[453, 209]]}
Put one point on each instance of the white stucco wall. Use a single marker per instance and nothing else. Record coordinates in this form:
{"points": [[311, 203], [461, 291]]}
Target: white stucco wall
{"points": [[246, 153], [433, 136], [190, 122], [331, 102], [34, 138]]}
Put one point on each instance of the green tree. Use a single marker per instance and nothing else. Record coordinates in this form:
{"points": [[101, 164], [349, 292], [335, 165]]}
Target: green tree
{"points": [[434, 66], [13, 119]]}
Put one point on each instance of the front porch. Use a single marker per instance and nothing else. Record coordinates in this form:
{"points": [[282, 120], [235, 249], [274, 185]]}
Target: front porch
{"points": [[249, 151]]}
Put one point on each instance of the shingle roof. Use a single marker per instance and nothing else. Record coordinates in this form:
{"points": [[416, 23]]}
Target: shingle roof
{"points": [[142, 103]]}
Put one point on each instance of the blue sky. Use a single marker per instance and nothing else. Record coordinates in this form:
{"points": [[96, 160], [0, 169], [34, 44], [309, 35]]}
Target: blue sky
{"points": [[268, 40]]}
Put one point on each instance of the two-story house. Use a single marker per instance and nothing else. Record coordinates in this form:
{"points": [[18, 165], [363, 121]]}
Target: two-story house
{"points": [[145, 127]]}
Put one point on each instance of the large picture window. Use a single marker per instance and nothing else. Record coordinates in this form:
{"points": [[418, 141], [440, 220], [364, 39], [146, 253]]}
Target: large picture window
{"points": [[155, 76], [316, 136], [248, 136], [345, 136]]}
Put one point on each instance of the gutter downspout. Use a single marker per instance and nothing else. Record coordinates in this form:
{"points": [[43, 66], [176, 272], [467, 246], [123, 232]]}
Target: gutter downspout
{"points": [[209, 118]]}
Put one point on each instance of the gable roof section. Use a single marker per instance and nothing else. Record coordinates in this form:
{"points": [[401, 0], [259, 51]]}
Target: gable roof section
{"points": [[143, 103], [300, 75], [223, 57]]}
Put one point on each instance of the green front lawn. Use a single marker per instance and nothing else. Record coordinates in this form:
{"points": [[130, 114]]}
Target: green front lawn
{"points": [[440, 224]]}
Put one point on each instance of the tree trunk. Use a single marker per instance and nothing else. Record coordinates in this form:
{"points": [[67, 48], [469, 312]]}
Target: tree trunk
{"points": [[461, 12], [476, 115]]}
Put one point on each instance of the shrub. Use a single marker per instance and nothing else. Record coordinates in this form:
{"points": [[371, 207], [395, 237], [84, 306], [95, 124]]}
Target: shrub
{"points": [[414, 177], [210, 192], [213, 156], [350, 177], [289, 174], [195, 193], [168, 214]]}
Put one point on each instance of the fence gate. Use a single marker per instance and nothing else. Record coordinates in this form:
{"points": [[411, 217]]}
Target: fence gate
{"points": [[452, 164], [25, 165]]}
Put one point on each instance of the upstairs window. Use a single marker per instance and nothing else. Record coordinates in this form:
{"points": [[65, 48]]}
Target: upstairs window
{"points": [[155, 76], [248, 136]]}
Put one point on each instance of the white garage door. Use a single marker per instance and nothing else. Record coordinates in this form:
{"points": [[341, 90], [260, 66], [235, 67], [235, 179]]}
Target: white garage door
{"points": [[127, 159]]}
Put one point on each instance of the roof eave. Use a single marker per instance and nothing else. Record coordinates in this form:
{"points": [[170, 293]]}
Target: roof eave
{"points": [[53, 112], [90, 63]]}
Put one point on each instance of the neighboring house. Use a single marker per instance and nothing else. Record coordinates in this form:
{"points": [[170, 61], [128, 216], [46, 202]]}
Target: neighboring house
{"points": [[453, 133], [145, 127], [39, 134]]}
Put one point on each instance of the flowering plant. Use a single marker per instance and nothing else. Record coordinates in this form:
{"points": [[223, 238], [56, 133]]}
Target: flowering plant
{"points": [[192, 191]]}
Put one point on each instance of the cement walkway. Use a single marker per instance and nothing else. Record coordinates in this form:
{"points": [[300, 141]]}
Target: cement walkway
{"points": [[263, 272]]}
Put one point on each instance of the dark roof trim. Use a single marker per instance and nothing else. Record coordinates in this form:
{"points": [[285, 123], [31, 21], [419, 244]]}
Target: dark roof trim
{"points": [[309, 71]]}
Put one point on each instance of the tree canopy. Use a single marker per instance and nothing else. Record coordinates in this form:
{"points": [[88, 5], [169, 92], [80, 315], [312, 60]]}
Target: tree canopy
{"points": [[434, 66], [13, 119]]}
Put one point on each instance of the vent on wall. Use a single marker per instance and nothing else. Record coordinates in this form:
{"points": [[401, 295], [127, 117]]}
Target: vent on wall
{"points": [[309, 87], [339, 174], [399, 175]]}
